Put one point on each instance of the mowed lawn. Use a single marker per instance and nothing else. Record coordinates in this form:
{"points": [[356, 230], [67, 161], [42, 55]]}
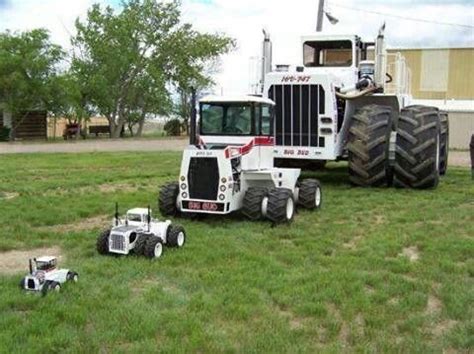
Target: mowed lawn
{"points": [[380, 270]]}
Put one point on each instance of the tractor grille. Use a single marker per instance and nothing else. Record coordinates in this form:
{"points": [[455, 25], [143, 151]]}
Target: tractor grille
{"points": [[31, 284], [117, 242], [296, 114], [203, 178]]}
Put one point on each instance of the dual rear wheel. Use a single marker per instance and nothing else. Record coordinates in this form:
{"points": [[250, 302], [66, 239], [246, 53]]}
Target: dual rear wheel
{"points": [[279, 204], [415, 159]]}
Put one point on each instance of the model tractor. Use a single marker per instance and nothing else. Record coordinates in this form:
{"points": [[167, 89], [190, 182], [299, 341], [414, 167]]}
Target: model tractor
{"points": [[230, 167], [44, 276], [349, 100], [140, 234]]}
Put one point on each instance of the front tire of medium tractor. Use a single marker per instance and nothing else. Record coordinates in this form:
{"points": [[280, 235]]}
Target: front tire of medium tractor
{"points": [[140, 244], [175, 236], [280, 205], [443, 142], [153, 248], [417, 155], [369, 138], [72, 277], [253, 200], [103, 242], [22, 284], [310, 194], [167, 199]]}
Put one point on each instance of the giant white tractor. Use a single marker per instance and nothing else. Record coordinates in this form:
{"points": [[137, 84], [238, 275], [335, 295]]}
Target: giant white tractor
{"points": [[230, 167], [349, 100]]}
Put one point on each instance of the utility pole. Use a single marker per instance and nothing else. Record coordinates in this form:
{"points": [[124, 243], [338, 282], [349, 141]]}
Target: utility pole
{"points": [[319, 23]]}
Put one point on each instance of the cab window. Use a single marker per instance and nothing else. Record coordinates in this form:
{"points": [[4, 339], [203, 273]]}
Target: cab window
{"points": [[327, 53], [266, 120], [226, 118]]}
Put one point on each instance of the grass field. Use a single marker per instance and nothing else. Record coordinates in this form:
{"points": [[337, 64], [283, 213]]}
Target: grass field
{"points": [[379, 270]]}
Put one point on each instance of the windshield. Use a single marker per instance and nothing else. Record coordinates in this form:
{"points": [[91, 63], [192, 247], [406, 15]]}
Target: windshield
{"points": [[226, 118], [328, 53], [45, 265], [134, 217]]}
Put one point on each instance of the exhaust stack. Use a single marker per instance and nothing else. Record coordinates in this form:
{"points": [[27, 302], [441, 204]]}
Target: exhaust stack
{"points": [[380, 59], [266, 58], [192, 123]]}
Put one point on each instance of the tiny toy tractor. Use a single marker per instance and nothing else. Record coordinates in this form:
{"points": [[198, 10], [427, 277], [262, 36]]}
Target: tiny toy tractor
{"points": [[230, 168], [44, 276], [138, 233]]}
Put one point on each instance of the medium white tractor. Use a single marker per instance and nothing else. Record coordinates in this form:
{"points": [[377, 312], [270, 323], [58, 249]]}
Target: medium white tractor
{"points": [[139, 233], [230, 167], [44, 276], [349, 100]]}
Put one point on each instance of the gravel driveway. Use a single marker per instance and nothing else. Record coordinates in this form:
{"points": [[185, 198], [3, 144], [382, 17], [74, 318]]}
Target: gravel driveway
{"points": [[456, 158], [95, 146]]}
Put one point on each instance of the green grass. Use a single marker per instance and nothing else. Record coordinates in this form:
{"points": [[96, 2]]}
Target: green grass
{"points": [[334, 280]]}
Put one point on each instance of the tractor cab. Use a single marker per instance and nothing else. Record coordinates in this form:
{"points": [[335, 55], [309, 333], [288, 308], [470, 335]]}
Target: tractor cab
{"points": [[46, 263], [138, 216], [237, 120]]}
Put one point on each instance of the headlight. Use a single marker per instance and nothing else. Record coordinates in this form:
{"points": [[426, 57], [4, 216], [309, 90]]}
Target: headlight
{"points": [[224, 180], [184, 186], [223, 188], [184, 195], [221, 197], [183, 178]]}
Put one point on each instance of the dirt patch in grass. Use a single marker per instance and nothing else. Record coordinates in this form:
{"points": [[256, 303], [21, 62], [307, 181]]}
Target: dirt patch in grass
{"points": [[412, 253], [344, 332], [433, 305], [443, 327], [13, 262], [295, 322], [96, 222], [352, 244], [8, 195]]}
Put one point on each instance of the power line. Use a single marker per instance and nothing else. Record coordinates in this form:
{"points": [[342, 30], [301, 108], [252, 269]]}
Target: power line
{"points": [[402, 17]]}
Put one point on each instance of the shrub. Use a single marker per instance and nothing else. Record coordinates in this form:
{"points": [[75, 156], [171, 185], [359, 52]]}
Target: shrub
{"points": [[4, 134], [173, 127]]}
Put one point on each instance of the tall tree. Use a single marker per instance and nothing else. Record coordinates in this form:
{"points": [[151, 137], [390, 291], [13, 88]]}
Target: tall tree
{"points": [[28, 71], [131, 60]]}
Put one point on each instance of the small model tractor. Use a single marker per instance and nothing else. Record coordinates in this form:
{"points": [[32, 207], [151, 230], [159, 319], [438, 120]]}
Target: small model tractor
{"points": [[230, 168], [137, 232], [44, 276]]}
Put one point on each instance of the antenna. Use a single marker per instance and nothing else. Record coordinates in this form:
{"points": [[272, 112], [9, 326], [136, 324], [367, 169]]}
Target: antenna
{"points": [[149, 218], [116, 214]]}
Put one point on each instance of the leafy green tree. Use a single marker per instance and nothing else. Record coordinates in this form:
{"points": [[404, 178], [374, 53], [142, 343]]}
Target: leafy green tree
{"points": [[28, 72], [131, 61]]}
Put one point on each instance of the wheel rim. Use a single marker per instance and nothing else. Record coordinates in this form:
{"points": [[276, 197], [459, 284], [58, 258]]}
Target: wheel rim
{"points": [[264, 206], [318, 197], [158, 250], [290, 208], [57, 288], [75, 278], [181, 239], [437, 153]]}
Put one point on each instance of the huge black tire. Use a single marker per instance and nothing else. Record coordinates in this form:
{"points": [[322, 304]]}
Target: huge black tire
{"points": [[175, 236], [280, 200], [252, 205], [140, 244], [443, 143], [418, 148], [103, 242], [167, 199], [151, 247], [310, 194], [368, 143]]}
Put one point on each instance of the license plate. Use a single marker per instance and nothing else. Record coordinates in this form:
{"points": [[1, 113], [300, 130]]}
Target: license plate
{"points": [[204, 206]]}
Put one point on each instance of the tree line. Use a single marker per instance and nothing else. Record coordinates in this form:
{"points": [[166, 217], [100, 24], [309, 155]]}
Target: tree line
{"points": [[126, 66]]}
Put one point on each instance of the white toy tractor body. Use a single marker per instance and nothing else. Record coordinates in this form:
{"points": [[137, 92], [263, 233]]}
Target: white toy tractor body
{"points": [[137, 232], [44, 275]]}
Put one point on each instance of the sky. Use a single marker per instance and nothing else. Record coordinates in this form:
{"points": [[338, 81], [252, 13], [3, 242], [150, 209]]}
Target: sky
{"points": [[285, 20]]}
